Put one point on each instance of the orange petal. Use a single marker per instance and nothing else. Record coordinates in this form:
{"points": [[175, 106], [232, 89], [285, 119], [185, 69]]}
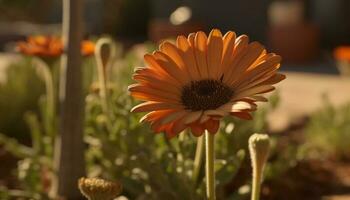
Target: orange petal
{"points": [[173, 52], [173, 117], [228, 48], [139, 88], [192, 117], [154, 116], [259, 74], [163, 88], [214, 53], [216, 113], [171, 129], [243, 115], [157, 128], [157, 71], [152, 106], [156, 83], [200, 51], [191, 37], [197, 129], [151, 97], [240, 49], [271, 62], [188, 56], [236, 105], [253, 91], [274, 79], [212, 126], [259, 98], [170, 67], [254, 49], [204, 118], [176, 128], [261, 58], [150, 74], [151, 61]]}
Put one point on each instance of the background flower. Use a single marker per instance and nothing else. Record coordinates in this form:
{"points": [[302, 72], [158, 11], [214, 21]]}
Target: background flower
{"points": [[46, 46], [50, 46], [87, 48], [342, 53]]}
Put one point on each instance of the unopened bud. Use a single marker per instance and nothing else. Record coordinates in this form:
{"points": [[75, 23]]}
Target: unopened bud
{"points": [[259, 147]]}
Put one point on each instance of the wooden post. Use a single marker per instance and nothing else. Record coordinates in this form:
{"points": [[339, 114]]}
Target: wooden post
{"points": [[69, 147]]}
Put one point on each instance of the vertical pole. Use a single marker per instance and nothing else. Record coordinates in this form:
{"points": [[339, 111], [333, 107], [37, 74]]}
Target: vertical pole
{"points": [[69, 148]]}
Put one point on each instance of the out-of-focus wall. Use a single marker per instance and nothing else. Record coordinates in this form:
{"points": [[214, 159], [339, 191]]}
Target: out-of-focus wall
{"points": [[243, 16], [250, 16], [131, 18], [333, 18]]}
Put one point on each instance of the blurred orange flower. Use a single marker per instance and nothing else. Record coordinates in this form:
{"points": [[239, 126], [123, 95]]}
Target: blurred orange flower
{"points": [[45, 46], [200, 80], [342, 53], [87, 48], [50, 46]]}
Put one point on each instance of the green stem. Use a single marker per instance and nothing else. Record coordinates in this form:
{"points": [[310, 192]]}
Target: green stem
{"points": [[182, 136], [44, 72], [256, 185], [210, 159], [198, 159]]}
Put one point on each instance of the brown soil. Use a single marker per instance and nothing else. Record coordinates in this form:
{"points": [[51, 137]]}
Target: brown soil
{"points": [[308, 179], [7, 164]]}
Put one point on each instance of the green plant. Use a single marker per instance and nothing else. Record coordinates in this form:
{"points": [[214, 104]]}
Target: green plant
{"points": [[20, 93], [328, 132], [35, 167], [151, 166], [120, 148]]}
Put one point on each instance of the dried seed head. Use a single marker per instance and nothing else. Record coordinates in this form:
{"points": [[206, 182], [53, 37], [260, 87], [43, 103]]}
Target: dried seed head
{"points": [[99, 189]]}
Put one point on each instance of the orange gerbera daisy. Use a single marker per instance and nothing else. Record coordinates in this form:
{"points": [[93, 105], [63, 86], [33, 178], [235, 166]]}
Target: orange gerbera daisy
{"points": [[201, 79], [45, 46], [50, 46]]}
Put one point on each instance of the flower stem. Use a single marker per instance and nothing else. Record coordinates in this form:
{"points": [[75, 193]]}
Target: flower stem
{"points": [[198, 158], [256, 186], [43, 70], [103, 68], [210, 159], [101, 75]]}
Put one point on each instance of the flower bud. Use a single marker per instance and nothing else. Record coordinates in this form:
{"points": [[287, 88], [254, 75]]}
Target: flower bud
{"points": [[259, 146]]}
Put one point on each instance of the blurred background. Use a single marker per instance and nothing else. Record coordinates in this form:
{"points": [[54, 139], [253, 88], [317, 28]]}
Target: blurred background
{"points": [[301, 30], [309, 117]]}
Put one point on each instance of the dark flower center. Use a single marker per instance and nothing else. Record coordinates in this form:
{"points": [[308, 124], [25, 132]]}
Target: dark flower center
{"points": [[205, 95]]}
